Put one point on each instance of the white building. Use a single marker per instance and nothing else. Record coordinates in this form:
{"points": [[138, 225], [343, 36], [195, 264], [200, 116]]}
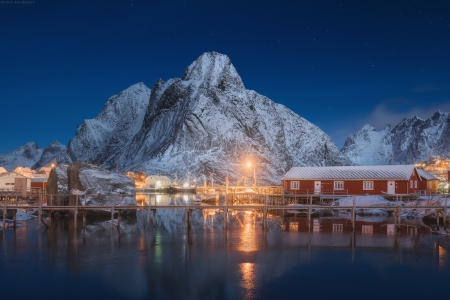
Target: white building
{"points": [[157, 181], [11, 181]]}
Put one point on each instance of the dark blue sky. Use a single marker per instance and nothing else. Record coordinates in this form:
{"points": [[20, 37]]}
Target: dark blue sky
{"points": [[339, 64]]}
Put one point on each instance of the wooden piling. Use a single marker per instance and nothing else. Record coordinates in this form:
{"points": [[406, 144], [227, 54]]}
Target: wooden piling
{"points": [[4, 212], [445, 214], [309, 213], [148, 216], [187, 219], [399, 216], [112, 214], [75, 213], [40, 212], [14, 218], [154, 218], [118, 218], [437, 218], [354, 214], [84, 218]]}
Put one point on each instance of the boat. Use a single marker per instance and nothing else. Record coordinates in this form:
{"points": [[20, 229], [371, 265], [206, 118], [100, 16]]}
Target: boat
{"points": [[411, 196], [186, 187]]}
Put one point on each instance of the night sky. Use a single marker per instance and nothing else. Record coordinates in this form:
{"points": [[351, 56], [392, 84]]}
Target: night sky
{"points": [[339, 64]]}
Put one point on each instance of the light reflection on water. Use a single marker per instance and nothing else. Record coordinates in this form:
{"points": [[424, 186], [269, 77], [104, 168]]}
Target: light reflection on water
{"points": [[241, 263]]}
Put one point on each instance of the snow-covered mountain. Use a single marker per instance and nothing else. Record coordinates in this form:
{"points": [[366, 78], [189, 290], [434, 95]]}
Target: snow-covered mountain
{"points": [[202, 123], [31, 156], [409, 141]]}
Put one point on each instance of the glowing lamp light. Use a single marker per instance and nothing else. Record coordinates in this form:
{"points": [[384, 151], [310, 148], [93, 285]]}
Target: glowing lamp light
{"points": [[185, 184], [249, 164]]}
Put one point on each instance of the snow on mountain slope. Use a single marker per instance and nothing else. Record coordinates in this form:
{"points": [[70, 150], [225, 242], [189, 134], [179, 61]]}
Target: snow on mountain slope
{"points": [[99, 139], [50, 153], [202, 123], [26, 156], [410, 141], [31, 156]]}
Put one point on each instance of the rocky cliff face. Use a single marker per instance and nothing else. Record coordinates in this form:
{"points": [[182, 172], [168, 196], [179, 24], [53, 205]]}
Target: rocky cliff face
{"points": [[206, 122], [409, 141]]}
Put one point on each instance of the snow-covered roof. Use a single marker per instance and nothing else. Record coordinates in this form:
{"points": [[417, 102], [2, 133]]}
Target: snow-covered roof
{"points": [[426, 175], [157, 177], [2, 170], [39, 178], [391, 172]]}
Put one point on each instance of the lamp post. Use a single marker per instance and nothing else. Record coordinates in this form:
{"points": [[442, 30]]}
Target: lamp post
{"points": [[250, 164]]}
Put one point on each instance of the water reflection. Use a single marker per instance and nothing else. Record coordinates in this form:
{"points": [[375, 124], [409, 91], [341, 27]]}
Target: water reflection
{"points": [[136, 263]]}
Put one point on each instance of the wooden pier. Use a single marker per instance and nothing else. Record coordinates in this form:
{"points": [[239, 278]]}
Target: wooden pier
{"points": [[231, 202]]}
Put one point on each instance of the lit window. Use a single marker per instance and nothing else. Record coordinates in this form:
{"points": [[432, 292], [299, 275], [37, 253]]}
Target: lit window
{"points": [[338, 185], [295, 185], [367, 185], [410, 184], [415, 184]]}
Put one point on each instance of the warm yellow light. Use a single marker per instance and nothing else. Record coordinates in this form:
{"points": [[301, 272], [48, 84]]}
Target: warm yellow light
{"points": [[53, 165], [249, 164], [185, 184]]}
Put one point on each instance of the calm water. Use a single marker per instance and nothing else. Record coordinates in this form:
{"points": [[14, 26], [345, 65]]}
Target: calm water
{"points": [[244, 263]]}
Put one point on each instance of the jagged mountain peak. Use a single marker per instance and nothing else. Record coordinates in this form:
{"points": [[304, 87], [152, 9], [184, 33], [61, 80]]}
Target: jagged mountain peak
{"points": [[411, 140], [215, 70]]}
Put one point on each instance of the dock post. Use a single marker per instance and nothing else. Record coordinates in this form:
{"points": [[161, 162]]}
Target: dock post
{"points": [[4, 213], [354, 214], [437, 218], [309, 213], [445, 214], [84, 218], [118, 218], [75, 213], [225, 210], [399, 212], [14, 218], [40, 212], [187, 219], [154, 218], [148, 216], [112, 213]]}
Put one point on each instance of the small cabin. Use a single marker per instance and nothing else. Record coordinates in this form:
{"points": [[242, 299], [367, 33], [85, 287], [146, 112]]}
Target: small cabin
{"points": [[157, 182], [352, 180], [39, 182], [11, 181], [429, 183]]}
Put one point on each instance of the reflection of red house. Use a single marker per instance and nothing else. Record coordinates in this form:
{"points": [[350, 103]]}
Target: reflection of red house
{"points": [[352, 180], [345, 225]]}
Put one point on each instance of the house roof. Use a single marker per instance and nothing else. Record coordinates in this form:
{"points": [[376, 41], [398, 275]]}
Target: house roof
{"points": [[13, 174], [157, 177], [426, 175], [389, 172], [2, 170], [39, 178]]}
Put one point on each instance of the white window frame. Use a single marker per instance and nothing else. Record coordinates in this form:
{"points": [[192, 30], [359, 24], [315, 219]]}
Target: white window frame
{"points": [[368, 185], [415, 184], [295, 185], [338, 185], [411, 184]]}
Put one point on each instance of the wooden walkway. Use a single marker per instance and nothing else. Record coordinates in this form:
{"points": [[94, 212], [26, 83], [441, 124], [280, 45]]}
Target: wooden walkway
{"points": [[236, 202]]}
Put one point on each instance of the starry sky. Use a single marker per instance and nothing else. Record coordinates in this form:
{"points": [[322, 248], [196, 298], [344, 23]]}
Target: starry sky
{"points": [[339, 64]]}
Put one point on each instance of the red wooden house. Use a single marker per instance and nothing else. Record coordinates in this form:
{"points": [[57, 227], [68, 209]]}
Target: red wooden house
{"points": [[352, 180], [429, 183]]}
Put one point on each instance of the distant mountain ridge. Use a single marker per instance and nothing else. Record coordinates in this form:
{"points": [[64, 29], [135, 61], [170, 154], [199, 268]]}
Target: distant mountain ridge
{"points": [[410, 141], [30, 155]]}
